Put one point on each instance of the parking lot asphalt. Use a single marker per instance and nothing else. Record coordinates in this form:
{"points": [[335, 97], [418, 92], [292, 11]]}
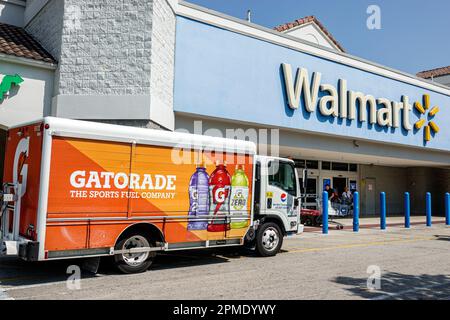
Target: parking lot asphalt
{"points": [[412, 264]]}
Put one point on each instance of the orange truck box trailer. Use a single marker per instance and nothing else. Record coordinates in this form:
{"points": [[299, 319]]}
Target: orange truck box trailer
{"points": [[78, 189]]}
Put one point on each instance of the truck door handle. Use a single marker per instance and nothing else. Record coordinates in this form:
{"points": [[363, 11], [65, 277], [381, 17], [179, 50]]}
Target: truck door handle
{"points": [[269, 203]]}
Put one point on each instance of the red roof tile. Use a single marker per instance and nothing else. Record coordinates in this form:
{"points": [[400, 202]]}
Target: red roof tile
{"points": [[285, 27], [17, 42], [439, 72]]}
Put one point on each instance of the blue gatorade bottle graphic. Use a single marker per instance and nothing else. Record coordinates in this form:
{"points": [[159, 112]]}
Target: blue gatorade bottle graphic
{"points": [[199, 199]]}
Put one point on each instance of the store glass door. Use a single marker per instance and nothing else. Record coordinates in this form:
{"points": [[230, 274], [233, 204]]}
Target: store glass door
{"points": [[339, 185], [311, 194]]}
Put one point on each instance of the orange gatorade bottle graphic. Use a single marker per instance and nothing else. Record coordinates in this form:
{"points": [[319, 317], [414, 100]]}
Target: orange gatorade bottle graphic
{"points": [[219, 186], [239, 199]]}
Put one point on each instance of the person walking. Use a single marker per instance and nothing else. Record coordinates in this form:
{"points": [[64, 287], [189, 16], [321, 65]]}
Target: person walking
{"points": [[347, 196], [331, 193]]}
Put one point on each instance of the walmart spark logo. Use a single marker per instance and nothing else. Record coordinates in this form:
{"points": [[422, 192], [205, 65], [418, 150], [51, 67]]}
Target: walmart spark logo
{"points": [[423, 109], [7, 83]]}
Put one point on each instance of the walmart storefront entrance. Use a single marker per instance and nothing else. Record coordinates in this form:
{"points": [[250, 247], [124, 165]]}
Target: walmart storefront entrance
{"points": [[356, 123], [370, 179], [320, 173], [369, 168]]}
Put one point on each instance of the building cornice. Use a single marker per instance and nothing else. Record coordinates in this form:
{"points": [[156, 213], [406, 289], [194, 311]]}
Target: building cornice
{"points": [[214, 18], [27, 62]]}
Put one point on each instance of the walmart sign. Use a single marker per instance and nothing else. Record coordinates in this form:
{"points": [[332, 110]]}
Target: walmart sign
{"points": [[341, 102], [225, 75]]}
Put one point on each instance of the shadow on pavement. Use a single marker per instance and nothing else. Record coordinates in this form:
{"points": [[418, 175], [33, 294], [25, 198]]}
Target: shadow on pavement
{"points": [[442, 238], [398, 286], [192, 258], [15, 272]]}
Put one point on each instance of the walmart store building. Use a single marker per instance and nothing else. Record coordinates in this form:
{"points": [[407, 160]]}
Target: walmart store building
{"points": [[350, 122]]}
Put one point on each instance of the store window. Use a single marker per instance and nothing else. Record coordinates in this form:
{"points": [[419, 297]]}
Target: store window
{"points": [[306, 164], [326, 165], [300, 163], [312, 164], [339, 166]]}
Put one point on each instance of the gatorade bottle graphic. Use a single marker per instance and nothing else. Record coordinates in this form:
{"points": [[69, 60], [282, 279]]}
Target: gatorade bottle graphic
{"points": [[239, 198], [219, 187], [199, 199]]}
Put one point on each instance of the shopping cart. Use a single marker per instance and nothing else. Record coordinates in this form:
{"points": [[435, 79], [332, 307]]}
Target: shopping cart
{"points": [[335, 210], [341, 209]]}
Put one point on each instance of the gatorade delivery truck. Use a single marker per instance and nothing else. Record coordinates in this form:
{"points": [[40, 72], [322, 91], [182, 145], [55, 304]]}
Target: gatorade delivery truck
{"points": [[77, 189]]}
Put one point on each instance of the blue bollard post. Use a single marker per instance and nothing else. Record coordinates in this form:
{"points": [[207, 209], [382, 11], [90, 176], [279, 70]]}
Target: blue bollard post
{"points": [[383, 211], [407, 211], [428, 209], [447, 209], [356, 212], [325, 212]]}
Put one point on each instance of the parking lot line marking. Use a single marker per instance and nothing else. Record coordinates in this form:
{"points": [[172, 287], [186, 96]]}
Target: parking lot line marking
{"points": [[366, 244]]}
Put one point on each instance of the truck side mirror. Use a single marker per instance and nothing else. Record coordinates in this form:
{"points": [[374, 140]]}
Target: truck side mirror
{"points": [[305, 178], [258, 171], [296, 202]]}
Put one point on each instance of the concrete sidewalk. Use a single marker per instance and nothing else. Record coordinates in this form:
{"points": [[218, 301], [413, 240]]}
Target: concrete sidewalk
{"points": [[374, 222]]}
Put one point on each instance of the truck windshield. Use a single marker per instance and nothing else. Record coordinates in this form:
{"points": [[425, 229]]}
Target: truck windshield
{"points": [[282, 175]]}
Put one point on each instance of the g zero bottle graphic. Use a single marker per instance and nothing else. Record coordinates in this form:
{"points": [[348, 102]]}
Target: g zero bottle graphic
{"points": [[199, 199], [239, 199], [219, 186]]}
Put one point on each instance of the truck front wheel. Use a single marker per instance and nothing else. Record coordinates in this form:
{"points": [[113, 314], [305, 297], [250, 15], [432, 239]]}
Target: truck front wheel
{"points": [[269, 239], [133, 262]]}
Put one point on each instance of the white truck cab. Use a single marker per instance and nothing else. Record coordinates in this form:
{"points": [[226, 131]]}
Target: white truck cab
{"points": [[276, 204]]}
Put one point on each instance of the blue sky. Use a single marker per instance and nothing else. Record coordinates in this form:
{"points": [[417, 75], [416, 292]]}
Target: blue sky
{"points": [[414, 34]]}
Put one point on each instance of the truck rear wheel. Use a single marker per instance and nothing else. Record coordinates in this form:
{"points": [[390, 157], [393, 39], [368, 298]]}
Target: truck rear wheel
{"points": [[133, 262], [269, 239]]}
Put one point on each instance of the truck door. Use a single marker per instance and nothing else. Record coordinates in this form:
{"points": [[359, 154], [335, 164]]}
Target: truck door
{"points": [[281, 193], [22, 168]]}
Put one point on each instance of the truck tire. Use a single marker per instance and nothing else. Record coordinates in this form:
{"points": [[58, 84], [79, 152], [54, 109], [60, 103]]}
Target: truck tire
{"points": [[269, 239], [133, 262]]}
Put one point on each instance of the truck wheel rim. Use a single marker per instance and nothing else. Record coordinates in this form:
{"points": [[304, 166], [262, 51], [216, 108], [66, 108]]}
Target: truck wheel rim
{"points": [[270, 239], [135, 259]]}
